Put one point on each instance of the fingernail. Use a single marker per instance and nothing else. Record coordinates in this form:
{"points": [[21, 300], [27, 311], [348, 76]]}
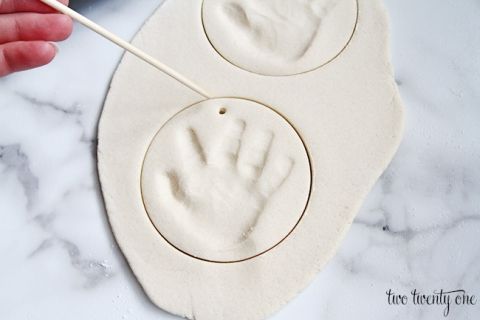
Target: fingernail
{"points": [[54, 45]]}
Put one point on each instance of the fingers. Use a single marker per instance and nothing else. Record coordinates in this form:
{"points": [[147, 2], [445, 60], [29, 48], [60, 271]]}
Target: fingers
{"points": [[274, 175], [255, 154], [191, 148], [34, 26], [23, 35], [230, 142], [237, 15], [175, 187], [18, 56], [170, 192], [257, 164], [10, 6]]}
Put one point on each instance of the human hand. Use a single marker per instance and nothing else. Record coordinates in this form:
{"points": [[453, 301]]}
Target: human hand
{"points": [[26, 29]]}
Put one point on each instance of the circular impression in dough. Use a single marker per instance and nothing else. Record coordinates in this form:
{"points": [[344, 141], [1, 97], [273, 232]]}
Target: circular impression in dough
{"points": [[279, 37], [226, 180]]}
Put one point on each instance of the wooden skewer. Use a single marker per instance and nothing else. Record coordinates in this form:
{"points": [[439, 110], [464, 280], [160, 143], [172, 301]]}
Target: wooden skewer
{"points": [[125, 45]]}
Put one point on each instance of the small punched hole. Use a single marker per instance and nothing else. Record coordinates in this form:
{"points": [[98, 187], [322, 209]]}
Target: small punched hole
{"points": [[222, 111]]}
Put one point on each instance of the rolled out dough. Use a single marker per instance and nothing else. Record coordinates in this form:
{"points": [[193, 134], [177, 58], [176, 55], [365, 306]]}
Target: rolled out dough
{"points": [[279, 37], [226, 180], [347, 113]]}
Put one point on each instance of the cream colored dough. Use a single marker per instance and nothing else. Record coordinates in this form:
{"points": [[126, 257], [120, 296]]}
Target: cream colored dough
{"points": [[279, 37], [317, 141], [225, 180]]}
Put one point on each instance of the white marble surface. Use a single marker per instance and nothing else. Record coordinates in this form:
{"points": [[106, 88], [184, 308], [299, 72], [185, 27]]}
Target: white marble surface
{"points": [[419, 228]]}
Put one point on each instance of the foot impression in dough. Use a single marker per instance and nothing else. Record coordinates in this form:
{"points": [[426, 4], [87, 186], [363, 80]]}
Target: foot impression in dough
{"points": [[279, 37], [227, 208]]}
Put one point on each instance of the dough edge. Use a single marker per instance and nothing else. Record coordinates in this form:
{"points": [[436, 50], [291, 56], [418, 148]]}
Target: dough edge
{"points": [[159, 293]]}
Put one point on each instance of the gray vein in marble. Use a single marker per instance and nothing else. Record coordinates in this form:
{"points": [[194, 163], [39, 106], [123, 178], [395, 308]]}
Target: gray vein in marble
{"points": [[15, 159], [73, 110], [92, 270]]}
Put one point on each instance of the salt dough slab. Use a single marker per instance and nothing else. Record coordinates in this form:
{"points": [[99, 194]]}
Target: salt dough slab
{"points": [[226, 180], [279, 37], [348, 114]]}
